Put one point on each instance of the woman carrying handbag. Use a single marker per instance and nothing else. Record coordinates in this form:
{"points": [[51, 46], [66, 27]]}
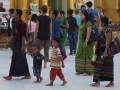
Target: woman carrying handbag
{"points": [[30, 32], [103, 66]]}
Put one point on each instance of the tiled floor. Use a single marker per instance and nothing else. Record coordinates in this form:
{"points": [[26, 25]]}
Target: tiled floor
{"points": [[74, 82]]}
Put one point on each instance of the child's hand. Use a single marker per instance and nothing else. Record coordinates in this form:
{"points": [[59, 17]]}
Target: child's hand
{"points": [[28, 53], [63, 65], [49, 60], [45, 65]]}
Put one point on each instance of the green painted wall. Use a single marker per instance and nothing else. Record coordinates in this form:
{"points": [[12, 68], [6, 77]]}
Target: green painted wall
{"points": [[64, 6], [59, 4], [56, 4]]}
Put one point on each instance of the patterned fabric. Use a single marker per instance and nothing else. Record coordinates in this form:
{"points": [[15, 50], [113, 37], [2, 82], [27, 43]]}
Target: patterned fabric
{"points": [[56, 57], [37, 72], [19, 30], [103, 68], [64, 56], [54, 73], [83, 55]]}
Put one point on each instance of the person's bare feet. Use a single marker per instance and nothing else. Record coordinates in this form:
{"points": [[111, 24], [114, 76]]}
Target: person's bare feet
{"points": [[7, 78], [95, 84], [26, 77], [77, 74], [50, 84], [41, 79], [110, 85], [64, 82], [86, 74]]}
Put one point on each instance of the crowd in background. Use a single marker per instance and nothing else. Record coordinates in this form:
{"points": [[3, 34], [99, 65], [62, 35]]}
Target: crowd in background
{"points": [[45, 30]]}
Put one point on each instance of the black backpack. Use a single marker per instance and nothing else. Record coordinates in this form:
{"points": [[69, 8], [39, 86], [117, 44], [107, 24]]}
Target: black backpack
{"points": [[91, 17]]}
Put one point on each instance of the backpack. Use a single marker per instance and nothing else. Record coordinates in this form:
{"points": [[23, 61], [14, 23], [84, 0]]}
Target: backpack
{"points": [[91, 17]]}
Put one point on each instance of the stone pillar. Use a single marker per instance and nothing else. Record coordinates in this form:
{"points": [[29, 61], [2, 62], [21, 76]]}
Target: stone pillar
{"points": [[71, 4], [110, 7], [45, 2], [64, 6], [117, 11], [12, 3], [24, 6]]}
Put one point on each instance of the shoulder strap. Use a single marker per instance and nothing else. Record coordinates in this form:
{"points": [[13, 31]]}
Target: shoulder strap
{"points": [[30, 25]]}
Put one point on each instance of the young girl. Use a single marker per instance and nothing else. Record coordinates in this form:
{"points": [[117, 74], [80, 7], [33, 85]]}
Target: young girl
{"points": [[55, 63], [37, 63]]}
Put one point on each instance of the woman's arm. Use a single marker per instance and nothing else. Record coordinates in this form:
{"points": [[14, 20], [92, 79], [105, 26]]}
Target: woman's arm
{"points": [[66, 26], [28, 28], [36, 30], [50, 29], [89, 30], [108, 40]]}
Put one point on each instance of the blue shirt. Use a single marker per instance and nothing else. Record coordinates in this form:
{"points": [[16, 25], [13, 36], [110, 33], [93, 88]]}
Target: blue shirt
{"points": [[93, 12], [78, 19], [55, 27], [37, 60]]}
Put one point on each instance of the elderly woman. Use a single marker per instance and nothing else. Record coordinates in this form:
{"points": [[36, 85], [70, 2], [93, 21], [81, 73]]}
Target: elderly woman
{"points": [[103, 68]]}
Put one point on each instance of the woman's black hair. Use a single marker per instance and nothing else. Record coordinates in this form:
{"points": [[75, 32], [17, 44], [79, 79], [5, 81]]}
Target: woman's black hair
{"points": [[105, 20], [34, 18], [85, 13]]}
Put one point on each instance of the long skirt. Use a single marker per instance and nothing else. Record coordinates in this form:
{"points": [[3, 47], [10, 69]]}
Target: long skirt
{"points": [[103, 70], [19, 65]]}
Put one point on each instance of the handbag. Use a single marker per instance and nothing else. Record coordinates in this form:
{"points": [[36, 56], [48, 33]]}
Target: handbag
{"points": [[114, 47], [94, 35], [29, 38]]}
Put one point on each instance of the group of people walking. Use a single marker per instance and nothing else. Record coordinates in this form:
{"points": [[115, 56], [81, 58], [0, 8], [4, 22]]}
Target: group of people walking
{"points": [[45, 30]]}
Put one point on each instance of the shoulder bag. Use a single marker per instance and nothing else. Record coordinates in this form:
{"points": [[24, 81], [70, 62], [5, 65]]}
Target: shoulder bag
{"points": [[94, 35], [29, 38], [114, 47]]}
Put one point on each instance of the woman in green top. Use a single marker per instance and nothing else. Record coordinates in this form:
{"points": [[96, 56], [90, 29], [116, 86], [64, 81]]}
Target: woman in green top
{"points": [[63, 25], [84, 50]]}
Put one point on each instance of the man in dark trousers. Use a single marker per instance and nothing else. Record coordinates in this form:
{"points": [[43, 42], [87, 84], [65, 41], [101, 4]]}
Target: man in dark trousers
{"points": [[72, 32], [19, 65]]}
